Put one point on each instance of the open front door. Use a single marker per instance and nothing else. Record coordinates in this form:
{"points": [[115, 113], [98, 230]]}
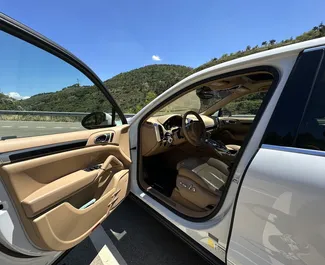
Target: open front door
{"points": [[64, 185], [58, 180]]}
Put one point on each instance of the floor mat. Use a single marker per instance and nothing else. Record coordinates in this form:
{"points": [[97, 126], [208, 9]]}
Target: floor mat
{"points": [[161, 178], [165, 182]]}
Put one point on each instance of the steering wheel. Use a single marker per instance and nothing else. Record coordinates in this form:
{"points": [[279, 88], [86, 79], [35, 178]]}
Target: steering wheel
{"points": [[194, 131]]}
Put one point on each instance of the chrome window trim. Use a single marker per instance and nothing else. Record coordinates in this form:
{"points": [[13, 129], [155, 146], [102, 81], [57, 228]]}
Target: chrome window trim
{"points": [[314, 48], [293, 150]]}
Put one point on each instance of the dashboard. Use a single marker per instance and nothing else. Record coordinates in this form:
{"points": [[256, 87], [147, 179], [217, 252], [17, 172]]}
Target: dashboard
{"points": [[160, 133], [173, 122]]}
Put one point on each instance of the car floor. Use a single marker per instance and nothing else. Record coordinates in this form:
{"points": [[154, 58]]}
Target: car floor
{"points": [[159, 175]]}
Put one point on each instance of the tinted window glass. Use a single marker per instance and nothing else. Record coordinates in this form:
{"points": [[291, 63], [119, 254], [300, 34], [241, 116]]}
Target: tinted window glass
{"points": [[246, 105], [284, 123], [311, 132], [42, 94]]}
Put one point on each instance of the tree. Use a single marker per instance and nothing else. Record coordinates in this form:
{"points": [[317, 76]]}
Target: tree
{"points": [[264, 43], [150, 97], [315, 28], [248, 48], [272, 42]]}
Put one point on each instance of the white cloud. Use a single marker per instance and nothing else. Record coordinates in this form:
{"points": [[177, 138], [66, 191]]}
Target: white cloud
{"points": [[16, 95], [156, 58]]}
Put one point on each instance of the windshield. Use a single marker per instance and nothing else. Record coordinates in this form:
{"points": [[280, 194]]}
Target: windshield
{"points": [[192, 101]]}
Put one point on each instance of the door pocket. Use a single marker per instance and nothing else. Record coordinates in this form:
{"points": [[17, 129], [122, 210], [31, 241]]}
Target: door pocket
{"points": [[78, 223]]}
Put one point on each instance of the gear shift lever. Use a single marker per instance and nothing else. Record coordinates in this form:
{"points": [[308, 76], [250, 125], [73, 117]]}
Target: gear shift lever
{"points": [[216, 144]]}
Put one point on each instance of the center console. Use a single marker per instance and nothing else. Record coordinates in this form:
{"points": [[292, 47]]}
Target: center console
{"points": [[222, 151]]}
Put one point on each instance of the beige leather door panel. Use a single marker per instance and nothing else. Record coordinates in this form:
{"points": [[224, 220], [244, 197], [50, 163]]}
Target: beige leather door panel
{"points": [[233, 130], [63, 189]]}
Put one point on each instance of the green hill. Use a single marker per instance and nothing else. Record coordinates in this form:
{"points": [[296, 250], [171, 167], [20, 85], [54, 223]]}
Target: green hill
{"points": [[7, 103], [131, 90], [315, 32], [74, 98], [134, 89]]}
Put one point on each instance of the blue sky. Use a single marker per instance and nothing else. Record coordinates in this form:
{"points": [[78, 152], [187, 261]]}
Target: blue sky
{"points": [[117, 36]]}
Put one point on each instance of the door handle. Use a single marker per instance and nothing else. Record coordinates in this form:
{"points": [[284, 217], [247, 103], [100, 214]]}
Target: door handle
{"points": [[111, 162], [232, 121], [104, 138]]}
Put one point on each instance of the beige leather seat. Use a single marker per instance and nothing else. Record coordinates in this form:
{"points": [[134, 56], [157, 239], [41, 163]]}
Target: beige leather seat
{"points": [[199, 181]]}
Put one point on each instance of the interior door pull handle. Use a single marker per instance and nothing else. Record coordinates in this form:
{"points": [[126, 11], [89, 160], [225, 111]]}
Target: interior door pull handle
{"points": [[111, 162], [232, 121]]}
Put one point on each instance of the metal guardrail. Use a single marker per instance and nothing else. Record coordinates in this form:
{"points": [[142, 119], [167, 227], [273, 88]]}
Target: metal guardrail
{"points": [[51, 113], [42, 113]]}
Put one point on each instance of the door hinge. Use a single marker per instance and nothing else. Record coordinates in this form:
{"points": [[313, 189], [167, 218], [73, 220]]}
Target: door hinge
{"points": [[133, 148]]}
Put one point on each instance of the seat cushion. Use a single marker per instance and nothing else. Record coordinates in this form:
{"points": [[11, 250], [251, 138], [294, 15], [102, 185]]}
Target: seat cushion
{"points": [[199, 180], [209, 173]]}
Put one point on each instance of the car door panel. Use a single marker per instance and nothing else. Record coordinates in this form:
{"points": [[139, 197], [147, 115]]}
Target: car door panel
{"points": [[233, 130], [50, 178]]}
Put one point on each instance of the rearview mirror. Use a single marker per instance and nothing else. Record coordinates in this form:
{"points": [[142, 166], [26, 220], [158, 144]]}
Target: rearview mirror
{"points": [[96, 120], [205, 92]]}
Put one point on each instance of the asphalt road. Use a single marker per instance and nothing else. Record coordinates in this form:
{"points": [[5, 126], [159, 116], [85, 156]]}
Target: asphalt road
{"points": [[131, 236], [34, 128]]}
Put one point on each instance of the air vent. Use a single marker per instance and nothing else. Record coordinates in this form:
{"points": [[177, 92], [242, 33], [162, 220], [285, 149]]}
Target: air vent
{"points": [[156, 127], [161, 131]]}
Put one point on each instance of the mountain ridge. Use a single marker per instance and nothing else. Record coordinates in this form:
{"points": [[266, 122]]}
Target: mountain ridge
{"points": [[136, 88]]}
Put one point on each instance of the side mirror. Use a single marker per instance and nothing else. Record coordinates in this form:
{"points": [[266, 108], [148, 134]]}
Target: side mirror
{"points": [[224, 113], [96, 120], [204, 93]]}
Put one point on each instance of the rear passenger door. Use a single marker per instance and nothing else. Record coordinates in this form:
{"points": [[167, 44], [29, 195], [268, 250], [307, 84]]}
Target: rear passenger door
{"points": [[237, 117], [280, 212], [58, 180]]}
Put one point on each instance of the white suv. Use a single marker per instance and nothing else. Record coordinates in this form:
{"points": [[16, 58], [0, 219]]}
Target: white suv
{"points": [[244, 186]]}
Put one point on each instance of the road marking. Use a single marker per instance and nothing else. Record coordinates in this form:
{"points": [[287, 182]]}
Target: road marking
{"points": [[6, 126], [57, 127], [40, 127], [106, 250], [248, 259], [105, 256], [234, 242], [118, 235], [260, 192], [74, 127], [22, 126]]}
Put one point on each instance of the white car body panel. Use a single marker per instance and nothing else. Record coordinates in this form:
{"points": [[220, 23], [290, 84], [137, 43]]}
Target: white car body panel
{"points": [[218, 227], [212, 234], [275, 221], [12, 234]]}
